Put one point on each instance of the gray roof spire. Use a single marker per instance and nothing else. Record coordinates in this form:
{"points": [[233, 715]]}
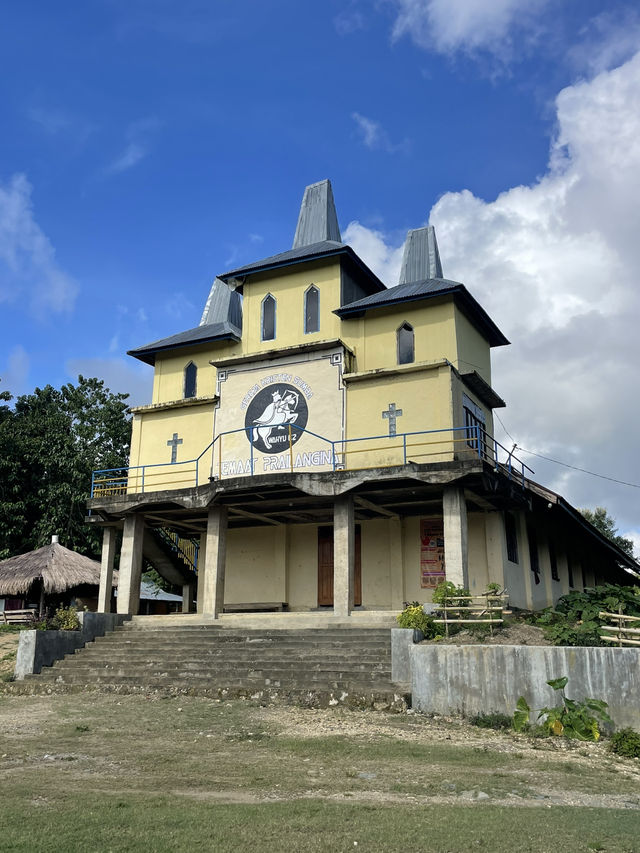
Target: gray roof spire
{"points": [[318, 220], [421, 258], [223, 306]]}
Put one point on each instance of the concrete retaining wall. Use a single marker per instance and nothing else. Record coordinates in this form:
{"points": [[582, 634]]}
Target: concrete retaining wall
{"points": [[475, 679], [42, 648]]}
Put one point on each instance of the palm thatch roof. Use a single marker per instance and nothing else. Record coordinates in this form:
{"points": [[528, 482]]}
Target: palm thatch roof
{"points": [[57, 566]]}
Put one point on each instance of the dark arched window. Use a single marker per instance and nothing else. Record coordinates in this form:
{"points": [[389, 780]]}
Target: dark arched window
{"points": [[190, 379], [268, 318], [406, 345], [312, 309]]}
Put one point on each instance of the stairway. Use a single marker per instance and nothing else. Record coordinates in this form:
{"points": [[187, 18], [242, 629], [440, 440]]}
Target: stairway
{"points": [[317, 667]]}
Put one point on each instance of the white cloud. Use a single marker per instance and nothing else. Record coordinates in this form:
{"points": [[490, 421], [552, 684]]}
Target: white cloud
{"points": [[124, 376], [137, 146], [375, 137], [372, 247], [28, 268], [467, 25], [556, 265], [14, 376]]}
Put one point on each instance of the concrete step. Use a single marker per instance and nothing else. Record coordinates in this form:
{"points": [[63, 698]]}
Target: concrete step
{"points": [[220, 674]]}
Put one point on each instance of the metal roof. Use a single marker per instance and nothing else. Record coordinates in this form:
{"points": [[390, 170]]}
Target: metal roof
{"points": [[199, 335], [318, 220], [419, 290], [223, 305], [303, 253], [421, 258]]}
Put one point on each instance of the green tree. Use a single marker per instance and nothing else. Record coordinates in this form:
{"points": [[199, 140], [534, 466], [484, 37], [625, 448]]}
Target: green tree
{"points": [[603, 522], [50, 442]]}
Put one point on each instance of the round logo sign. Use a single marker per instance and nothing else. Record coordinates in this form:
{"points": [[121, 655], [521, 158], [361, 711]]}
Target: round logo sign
{"points": [[270, 414]]}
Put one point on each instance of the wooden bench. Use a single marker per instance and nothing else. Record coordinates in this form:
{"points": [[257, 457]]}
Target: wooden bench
{"points": [[18, 617], [256, 607]]}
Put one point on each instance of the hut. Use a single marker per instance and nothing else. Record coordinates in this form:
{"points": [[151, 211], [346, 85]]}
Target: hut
{"points": [[48, 577]]}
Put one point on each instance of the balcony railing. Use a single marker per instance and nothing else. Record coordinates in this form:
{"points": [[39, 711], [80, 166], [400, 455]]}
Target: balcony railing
{"points": [[377, 451]]}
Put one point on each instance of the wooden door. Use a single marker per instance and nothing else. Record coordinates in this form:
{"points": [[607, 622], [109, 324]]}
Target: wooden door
{"points": [[325, 567]]}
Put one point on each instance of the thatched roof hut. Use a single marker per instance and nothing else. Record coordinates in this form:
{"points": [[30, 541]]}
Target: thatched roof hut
{"points": [[56, 567]]}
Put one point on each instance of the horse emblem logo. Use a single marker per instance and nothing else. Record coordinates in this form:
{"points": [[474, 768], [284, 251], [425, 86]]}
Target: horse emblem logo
{"points": [[270, 415]]}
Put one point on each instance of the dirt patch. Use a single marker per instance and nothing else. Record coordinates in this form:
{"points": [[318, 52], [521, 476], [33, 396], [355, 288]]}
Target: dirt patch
{"points": [[8, 651], [519, 634]]}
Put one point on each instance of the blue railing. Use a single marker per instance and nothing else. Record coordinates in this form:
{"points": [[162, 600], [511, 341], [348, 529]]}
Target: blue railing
{"points": [[474, 439]]}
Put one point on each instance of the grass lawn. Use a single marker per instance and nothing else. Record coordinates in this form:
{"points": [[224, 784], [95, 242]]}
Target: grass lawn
{"points": [[101, 772]]}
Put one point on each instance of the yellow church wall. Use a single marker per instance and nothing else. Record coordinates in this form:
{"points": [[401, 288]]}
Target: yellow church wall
{"points": [[373, 337], [478, 569], [288, 287], [377, 565], [425, 400], [255, 568], [302, 582], [473, 351], [168, 380], [411, 560], [151, 431]]}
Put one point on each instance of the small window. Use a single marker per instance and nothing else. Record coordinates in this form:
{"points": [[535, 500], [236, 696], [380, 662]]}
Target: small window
{"points": [[312, 310], [406, 344], [268, 318], [190, 378], [512, 537], [553, 560]]}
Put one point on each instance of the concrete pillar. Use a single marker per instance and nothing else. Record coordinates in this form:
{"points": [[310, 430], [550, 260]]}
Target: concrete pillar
{"points": [[188, 590], [106, 569], [202, 556], [215, 562], [131, 565], [456, 535], [344, 551], [396, 563]]}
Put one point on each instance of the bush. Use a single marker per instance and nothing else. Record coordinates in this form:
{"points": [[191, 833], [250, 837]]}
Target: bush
{"points": [[626, 742], [571, 719], [413, 616], [575, 622], [492, 721], [66, 619]]}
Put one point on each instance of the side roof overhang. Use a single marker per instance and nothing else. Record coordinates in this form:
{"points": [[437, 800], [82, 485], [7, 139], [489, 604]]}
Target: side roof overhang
{"points": [[420, 291], [192, 337]]}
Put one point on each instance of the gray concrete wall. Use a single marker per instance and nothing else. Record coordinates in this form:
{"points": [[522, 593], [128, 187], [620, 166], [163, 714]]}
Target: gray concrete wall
{"points": [[476, 679], [43, 648], [401, 643]]}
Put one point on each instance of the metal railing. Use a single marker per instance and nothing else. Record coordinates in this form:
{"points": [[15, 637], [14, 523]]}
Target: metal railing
{"points": [[186, 550], [341, 454]]}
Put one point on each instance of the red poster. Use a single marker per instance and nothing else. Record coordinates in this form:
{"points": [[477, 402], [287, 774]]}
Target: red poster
{"points": [[431, 552]]}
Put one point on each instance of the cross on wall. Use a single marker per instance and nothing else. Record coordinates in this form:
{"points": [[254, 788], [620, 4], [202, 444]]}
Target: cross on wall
{"points": [[173, 444], [391, 415]]}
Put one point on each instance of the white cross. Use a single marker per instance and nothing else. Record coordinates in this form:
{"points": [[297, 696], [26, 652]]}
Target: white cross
{"points": [[391, 414]]}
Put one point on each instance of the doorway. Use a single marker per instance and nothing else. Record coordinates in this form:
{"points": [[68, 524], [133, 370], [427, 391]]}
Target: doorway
{"points": [[325, 567]]}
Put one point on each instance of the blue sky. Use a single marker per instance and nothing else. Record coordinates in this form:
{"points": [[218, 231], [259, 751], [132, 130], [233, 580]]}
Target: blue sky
{"points": [[149, 144]]}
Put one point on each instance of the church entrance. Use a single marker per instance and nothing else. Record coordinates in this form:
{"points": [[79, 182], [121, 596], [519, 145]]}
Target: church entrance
{"points": [[325, 567]]}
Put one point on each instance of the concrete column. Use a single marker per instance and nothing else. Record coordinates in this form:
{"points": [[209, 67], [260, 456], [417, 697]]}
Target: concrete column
{"points": [[344, 550], [106, 569], [131, 565], [202, 556], [188, 590], [396, 563], [215, 562], [456, 544]]}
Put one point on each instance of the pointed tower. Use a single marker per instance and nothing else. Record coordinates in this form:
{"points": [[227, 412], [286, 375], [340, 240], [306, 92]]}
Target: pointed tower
{"points": [[223, 306], [318, 220], [421, 258]]}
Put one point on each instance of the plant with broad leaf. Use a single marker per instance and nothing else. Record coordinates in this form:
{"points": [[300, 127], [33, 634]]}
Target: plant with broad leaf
{"points": [[581, 720]]}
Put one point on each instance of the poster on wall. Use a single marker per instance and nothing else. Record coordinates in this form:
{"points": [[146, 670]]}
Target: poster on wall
{"points": [[280, 416], [431, 552]]}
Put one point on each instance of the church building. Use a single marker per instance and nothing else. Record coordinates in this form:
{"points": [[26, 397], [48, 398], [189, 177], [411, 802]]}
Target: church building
{"points": [[323, 441]]}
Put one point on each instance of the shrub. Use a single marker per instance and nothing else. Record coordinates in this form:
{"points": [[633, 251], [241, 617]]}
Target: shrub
{"points": [[572, 719], [574, 621], [66, 619], [492, 721], [447, 592], [413, 616], [626, 742]]}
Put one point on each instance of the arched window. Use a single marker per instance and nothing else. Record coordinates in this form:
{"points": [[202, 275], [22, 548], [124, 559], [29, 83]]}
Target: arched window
{"points": [[312, 310], [406, 345], [268, 318], [190, 380]]}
